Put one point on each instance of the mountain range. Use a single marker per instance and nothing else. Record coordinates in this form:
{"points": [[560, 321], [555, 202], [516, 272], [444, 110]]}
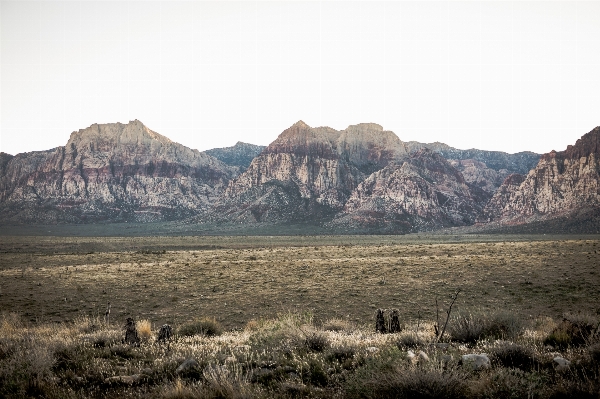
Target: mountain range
{"points": [[362, 179]]}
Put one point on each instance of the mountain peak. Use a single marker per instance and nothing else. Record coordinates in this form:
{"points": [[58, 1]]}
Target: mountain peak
{"points": [[366, 126], [301, 124], [588, 144]]}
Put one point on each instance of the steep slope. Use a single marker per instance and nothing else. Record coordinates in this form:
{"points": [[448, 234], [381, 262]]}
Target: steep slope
{"points": [[478, 174], [423, 193], [521, 162], [111, 172], [308, 173], [240, 155], [562, 183]]}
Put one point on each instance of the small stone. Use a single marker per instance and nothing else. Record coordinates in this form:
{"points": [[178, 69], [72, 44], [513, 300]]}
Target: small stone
{"points": [[423, 357], [561, 363], [410, 355], [123, 379], [476, 361], [147, 371], [372, 349], [187, 365]]}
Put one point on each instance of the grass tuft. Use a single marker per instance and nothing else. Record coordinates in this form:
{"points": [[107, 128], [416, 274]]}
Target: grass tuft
{"points": [[144, 330], [205, 326]]}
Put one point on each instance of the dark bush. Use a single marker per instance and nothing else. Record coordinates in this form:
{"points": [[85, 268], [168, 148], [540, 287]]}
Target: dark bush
{"points": [[204, 326], [316, 342], [315, 374], [471, 328], [514, 356], [574, 330], [411, 383], [341, 354], [409, 341]]}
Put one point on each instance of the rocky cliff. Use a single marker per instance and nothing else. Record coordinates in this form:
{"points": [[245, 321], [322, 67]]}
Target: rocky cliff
{"points": [[423, 193], [111, 172], [240, 155], [478, 174], [309, 173], [521, 162], [562, 183]]}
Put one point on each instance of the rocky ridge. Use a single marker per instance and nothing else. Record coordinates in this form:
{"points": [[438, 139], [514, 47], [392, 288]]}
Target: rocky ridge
{"points": [[562, 183], [111, 172], [360, 179], [240, 155], [521, 162], [424, 192], [308, 173]]}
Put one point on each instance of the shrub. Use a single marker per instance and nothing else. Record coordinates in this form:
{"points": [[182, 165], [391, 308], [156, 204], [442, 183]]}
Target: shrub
{"points": [[466, 329], [409, 341], [338, 325], [594, 353], [341, 354], [317, 342], [144, 330], [514, 356], [204, 326], [506, 325], [574, 330], [179, 390], [315, 374], [472, 327], [411, 383]]}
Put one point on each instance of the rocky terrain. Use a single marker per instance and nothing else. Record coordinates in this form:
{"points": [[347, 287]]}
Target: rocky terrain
{"points": [[114, 172], [561, 184], [521, 162], [308, 173], [424, 192], [361, 179], [240, 155]]}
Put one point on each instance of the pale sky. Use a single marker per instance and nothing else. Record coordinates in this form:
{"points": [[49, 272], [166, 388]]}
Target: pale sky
{"points": [[509, 76]]}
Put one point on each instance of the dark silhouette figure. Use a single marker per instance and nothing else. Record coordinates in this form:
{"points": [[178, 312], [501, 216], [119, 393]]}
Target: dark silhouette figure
{"points": [[395, 321], [380, 322], [131, 335]]}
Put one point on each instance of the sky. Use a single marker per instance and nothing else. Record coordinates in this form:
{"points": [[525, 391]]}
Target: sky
{"points": [[507, 76]]}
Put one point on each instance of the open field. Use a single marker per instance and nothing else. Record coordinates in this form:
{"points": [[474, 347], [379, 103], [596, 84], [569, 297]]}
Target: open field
{"points": [[290, 317], [236, 279]]}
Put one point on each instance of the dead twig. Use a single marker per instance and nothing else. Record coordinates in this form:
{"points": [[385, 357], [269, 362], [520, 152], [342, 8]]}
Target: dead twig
{"points": [[453, 297]]}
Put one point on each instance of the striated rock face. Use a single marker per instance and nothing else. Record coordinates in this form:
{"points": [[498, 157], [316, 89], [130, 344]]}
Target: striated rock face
{"points": [[423, 193], [477, 173], [521, 162], [240, 155], [561, 183], [309, 172], [111, 172]]}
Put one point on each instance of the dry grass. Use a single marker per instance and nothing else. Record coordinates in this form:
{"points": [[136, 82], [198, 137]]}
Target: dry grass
{"points": [[273, 300], [144, 330], [274, 360], [531, 279]]}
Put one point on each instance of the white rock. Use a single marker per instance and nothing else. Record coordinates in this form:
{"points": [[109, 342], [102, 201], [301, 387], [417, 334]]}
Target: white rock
{"points": [[186, 365], [372, 349], [476, 361], [561, 363], [423, 357]]}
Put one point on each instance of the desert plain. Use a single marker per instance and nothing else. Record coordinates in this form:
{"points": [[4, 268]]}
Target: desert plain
{"points": [[238, 279]]}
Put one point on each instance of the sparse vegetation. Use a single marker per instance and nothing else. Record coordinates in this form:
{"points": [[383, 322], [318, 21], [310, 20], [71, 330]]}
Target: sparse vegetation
{"points": [[204, 326], [322, 342], [270, 361]]}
